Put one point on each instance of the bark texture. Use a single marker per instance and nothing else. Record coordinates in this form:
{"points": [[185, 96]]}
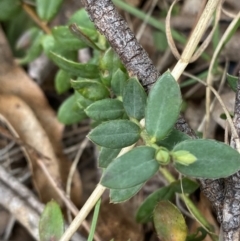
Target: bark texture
{"points": [[231, 208], [110, 23]]}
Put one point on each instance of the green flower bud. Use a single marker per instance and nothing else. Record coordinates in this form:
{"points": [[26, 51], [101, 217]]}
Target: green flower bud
{"points": [[163, 157], [184, 157]]}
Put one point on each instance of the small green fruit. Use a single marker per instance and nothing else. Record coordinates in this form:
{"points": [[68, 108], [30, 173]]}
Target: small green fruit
{"points": [[163, 157], [184, 157]]}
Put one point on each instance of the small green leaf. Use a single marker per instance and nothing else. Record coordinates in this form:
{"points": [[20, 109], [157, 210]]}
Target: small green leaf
{"points": [[232, 81], [107, 109], [169, 222], [174, 137], [90, 89], [163, 107], [79, 33], [196, 236], [134, 99], [81, 18], [131, 169], [109, 64], [9, 9], [47, 10], [145, 211], [122, 195], [119, 79], [162, 157], [51, 224], [34, 51], [81, 101], [189, 186], [62, 81], [66, 39], [106, 156], [115, 134], [69, 113], [183, 157], [78, 69], [214, 159], [50, 45]]}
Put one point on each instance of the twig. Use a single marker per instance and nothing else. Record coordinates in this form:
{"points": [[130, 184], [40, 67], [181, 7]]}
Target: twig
{"points": [[90, 203], [209, 77], [74, 166], [35, 18], [19, 201]]}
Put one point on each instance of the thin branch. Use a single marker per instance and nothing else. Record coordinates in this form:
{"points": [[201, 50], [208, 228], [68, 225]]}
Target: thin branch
{"points": [[35, 18]]}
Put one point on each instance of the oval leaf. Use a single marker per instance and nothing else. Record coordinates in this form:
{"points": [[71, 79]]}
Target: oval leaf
{"points": [[115, 134], [134, 99], [81, 18], [66, 39], [232, 81], [90, 89], [174, 137], [119, 79], [69, 113], [169, 222], [106, 156], [214, 159], [163, 107], [62, 81], [109, 64], [46, 9], [122, 195], [145, 211], [78, 69], [107, 109], [51, 224], [131, 169]]}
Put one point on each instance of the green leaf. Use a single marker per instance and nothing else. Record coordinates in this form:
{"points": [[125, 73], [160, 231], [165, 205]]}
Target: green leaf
{"points": [[145, 211], [122, 195], [107, 109], [131, 169], [163, 107], [51, 45], [9, 9], [34, 51], [119, 79], [214, 159], [51, 224], [115, 134], [85, 38], [196, 236], [134, 99], [174, 137], [109, 64], [189, 186], [66, 39], [81, 18], [78, 69], [232, 81], [90, 89], [169, 222], [106, 156], [62, 81], [81, 101], [47, 10], [69, 113]]}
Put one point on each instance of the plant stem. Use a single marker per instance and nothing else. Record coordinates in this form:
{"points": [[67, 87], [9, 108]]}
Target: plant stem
{"points": [[190, 205], [88, 206], [195, 38], [35, 18]]}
